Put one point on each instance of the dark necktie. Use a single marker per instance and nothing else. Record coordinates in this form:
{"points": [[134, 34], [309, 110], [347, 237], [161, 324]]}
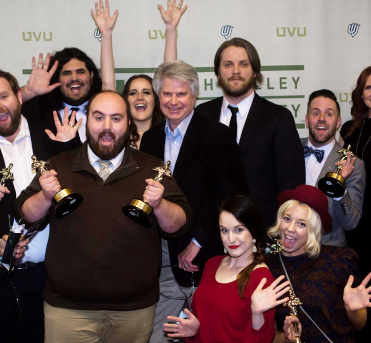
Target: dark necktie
{"points": [[233, 122], [72, 109], [317, 153]]}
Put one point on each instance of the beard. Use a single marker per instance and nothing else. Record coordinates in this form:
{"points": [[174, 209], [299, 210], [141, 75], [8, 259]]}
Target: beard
{"points": [[15, 119], [107, 152], [331, 132], [79, 100], [236, 92]]}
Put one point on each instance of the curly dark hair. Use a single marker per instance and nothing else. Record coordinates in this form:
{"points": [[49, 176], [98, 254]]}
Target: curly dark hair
{"points": [[248, 213], [359, 109], [54, 99], [157, 115]]}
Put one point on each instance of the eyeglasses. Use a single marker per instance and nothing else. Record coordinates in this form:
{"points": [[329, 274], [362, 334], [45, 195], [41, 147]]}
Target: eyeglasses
{"points": [[186, 297]]}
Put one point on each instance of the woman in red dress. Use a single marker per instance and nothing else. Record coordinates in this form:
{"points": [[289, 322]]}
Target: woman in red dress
{"points": [[237, 294]]}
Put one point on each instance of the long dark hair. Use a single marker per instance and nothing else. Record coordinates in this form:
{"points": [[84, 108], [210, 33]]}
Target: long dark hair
{"points": [[157, 115], [359, 109], [248, 213], [54, 99]]}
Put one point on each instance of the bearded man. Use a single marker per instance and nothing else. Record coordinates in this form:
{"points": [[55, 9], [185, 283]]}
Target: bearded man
{"points": [[265, 132], [64, 82], [21, 310], [103, 268]]}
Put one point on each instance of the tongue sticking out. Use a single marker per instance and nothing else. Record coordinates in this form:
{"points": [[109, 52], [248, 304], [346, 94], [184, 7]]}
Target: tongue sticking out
{"points": [[107, 139], [4, 117], [288, 243]]}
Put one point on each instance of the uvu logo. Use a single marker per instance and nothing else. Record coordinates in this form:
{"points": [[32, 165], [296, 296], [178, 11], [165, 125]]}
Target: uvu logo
{"points": [[353, 29], [291, 31], [154, 36], [226, 31], [37, 36]]}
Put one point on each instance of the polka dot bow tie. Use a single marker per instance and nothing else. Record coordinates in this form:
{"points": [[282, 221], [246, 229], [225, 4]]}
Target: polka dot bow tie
{"points": [[317, 153]]}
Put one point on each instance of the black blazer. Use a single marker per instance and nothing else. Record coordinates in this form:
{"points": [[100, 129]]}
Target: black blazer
{"points": [[209, 168], [44, 148], [271, 150]]}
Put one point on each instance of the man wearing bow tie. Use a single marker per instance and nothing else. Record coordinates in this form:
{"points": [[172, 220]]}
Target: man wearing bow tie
{"points": [[322, 156]]}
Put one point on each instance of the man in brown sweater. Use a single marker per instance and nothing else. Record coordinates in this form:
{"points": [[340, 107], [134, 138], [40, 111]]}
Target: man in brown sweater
{"points": [[103, 268]]}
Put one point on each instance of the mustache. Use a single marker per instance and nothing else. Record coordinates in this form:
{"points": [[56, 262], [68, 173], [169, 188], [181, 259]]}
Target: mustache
{"points": [[75, 82], [237, 78], [106, 133]]}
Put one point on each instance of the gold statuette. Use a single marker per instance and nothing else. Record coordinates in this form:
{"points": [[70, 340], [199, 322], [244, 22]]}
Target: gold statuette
{"points": [[6, 175], [65, 201], [139, 210], [333, 184], [291, 304]]}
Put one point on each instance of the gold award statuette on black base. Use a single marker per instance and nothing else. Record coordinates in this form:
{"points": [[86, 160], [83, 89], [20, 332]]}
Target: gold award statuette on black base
{"points": [[291, 304], [65, 201], [139, 210], [6, 175], [333, 184]]}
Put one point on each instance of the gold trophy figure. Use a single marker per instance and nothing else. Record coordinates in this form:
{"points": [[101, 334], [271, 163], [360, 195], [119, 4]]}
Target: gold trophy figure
{"points": [[333, 184], [6, 175], [139, 210], [65, 201], [291, 304]]}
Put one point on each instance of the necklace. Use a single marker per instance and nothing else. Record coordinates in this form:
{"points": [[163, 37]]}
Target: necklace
{"points": [[360, 134]]}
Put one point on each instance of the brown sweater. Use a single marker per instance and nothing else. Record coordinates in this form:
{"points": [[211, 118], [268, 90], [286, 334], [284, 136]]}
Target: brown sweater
{"points": [[97, 258]]}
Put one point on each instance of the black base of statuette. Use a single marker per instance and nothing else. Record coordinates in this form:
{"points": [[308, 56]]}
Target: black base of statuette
{"points": [[67, 204], [331, 187], [140, 212]]}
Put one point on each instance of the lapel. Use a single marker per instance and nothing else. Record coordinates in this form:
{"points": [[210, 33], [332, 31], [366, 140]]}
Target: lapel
{"points": [[215, 109], [189, 142], [159, 143], [252, 120], [329, 165]]}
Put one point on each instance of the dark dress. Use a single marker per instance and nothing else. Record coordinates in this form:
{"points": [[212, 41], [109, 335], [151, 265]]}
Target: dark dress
{"points": [[360, 237], [319, 283]]}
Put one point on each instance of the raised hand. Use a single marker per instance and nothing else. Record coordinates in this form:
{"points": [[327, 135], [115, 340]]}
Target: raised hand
{"points": [[68, 130], [185, 328], [359, 297], [347, 166], [264, 299], [39, 82], [102, 18], [173, 13]]}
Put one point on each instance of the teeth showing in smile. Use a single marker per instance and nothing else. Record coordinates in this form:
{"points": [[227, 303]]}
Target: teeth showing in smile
{"points": [[140, 107], [290, 238], [321, 128]]}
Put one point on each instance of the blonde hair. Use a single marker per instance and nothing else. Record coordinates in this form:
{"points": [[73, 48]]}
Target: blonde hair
{"points": [[314, 226]]}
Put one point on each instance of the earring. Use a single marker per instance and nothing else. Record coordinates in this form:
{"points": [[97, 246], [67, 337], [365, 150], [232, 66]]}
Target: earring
{"points": [[225, 250], [254, 247]]}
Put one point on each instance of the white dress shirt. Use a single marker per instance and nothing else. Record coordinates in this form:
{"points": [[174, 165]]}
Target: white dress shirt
{"points": [[93, 159], [174, 140], [19, 153], [312, 166], [243, 110], [80, 114]]}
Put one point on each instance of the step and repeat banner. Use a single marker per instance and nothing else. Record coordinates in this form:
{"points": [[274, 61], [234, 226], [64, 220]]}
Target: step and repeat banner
{"points": [[303, 45]]}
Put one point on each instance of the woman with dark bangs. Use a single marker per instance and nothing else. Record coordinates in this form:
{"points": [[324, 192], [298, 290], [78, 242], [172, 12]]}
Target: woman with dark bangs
{"points": [[237, 294]]}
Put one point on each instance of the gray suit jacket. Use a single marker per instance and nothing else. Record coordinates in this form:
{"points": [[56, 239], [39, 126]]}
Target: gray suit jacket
{"points": [[346, 212]]}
